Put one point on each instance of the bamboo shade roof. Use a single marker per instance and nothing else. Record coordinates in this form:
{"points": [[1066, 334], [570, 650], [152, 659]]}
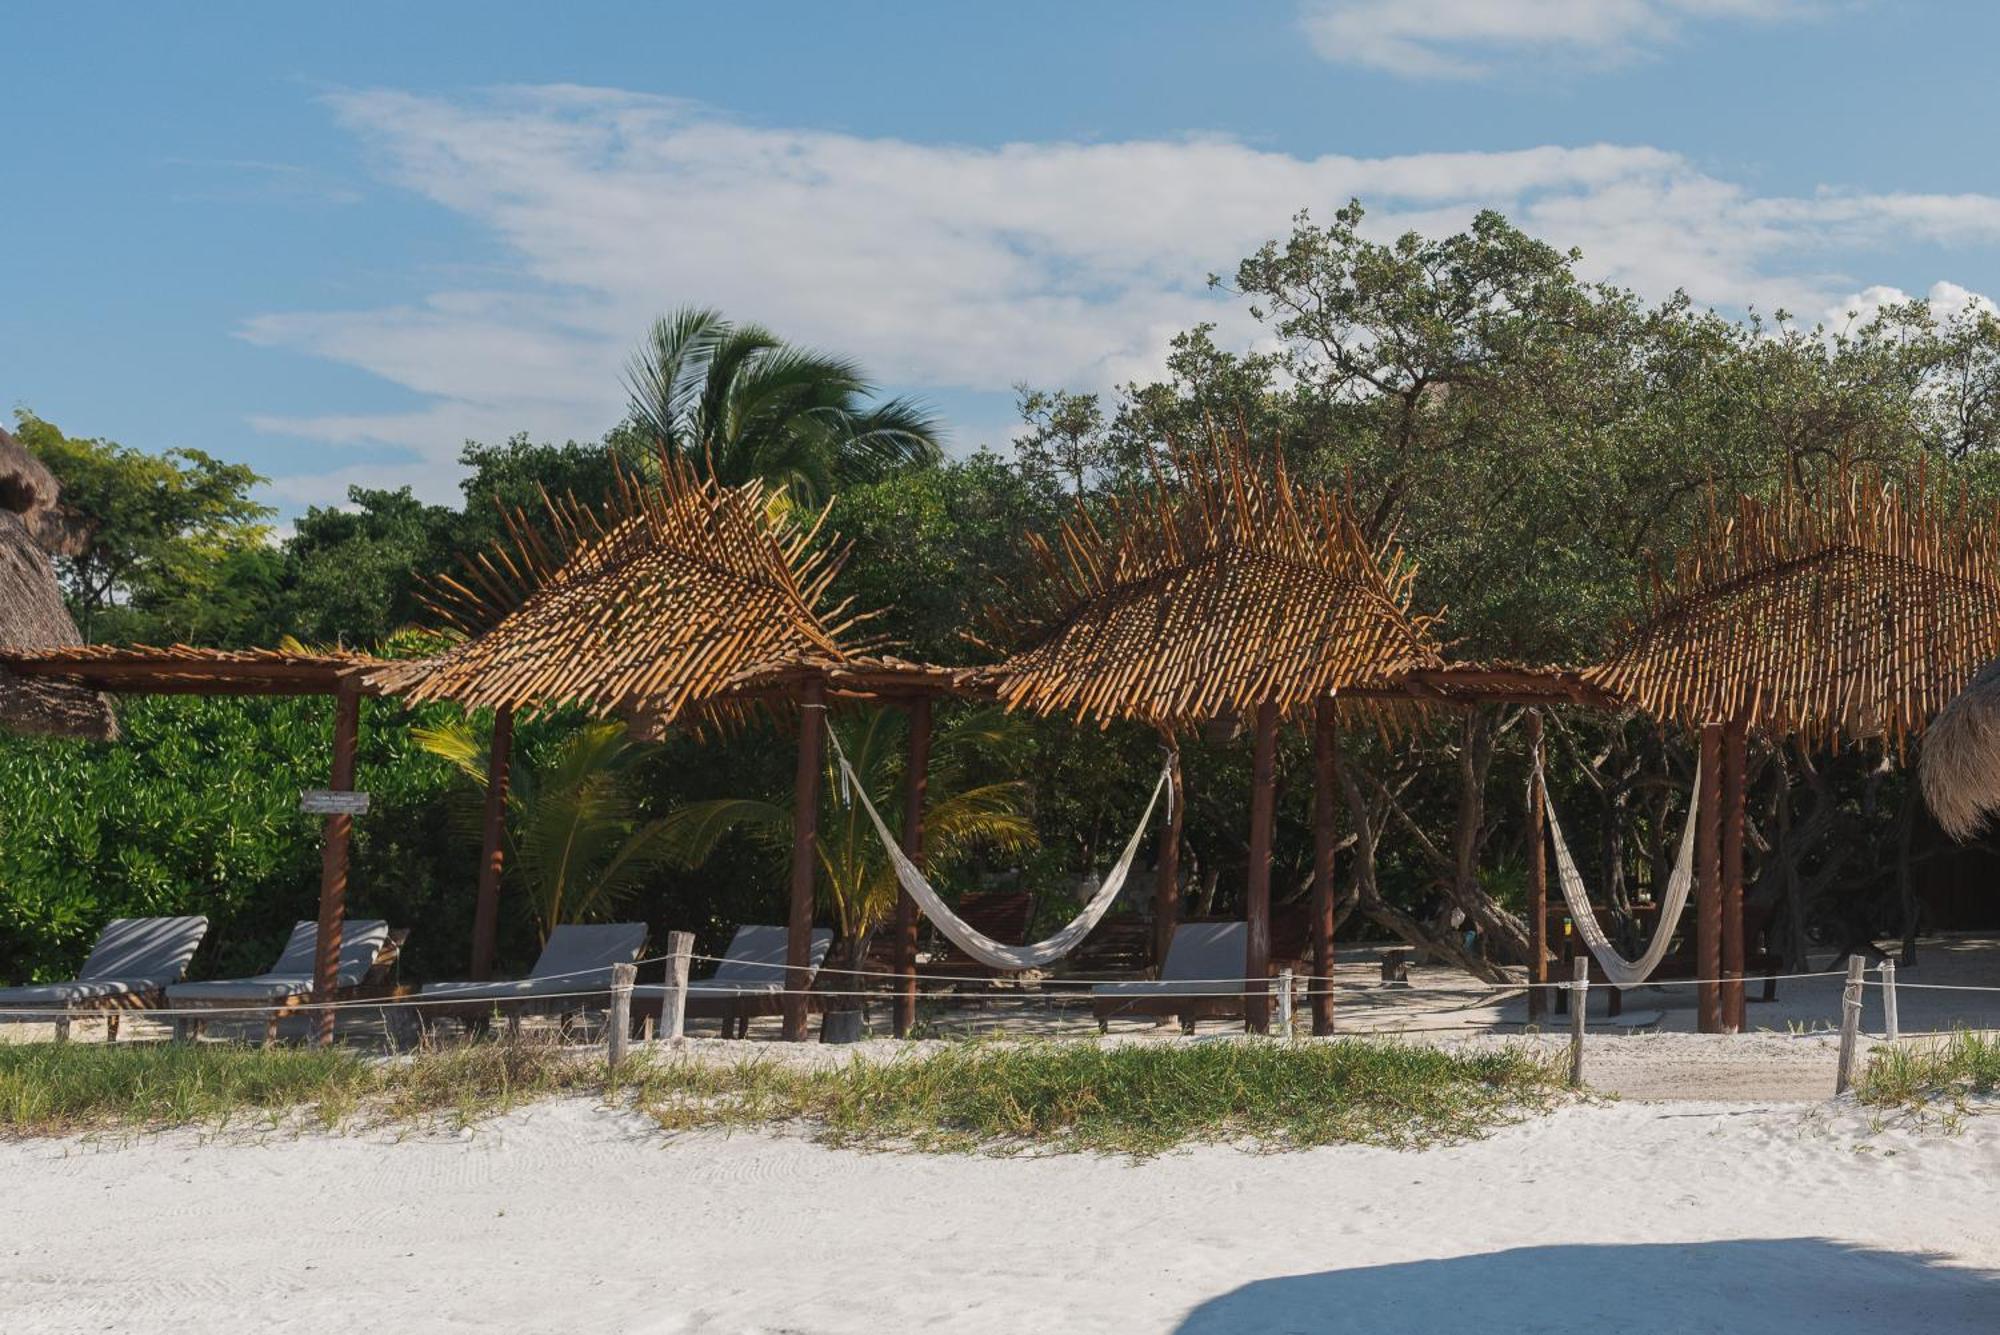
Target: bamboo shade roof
{"points": [[1205, 596], [182, 669], [647, 606], [1854, 609]]}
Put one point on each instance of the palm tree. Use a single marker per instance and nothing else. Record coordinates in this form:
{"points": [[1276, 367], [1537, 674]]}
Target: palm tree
{"points": [[858, 879], [742, 403], [575, 844]]}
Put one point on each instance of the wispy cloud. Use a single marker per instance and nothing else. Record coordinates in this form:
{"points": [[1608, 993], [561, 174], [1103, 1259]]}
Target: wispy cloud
{"points": [[1468, 39], [248, 180], [953, 268]]}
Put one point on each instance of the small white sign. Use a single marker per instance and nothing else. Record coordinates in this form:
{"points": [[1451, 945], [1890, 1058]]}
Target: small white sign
{"points": [[333, 802]]}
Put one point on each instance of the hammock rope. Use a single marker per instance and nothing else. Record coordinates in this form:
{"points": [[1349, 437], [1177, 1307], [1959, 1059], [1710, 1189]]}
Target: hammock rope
{"points": [[998, 954], [1619, 971]]}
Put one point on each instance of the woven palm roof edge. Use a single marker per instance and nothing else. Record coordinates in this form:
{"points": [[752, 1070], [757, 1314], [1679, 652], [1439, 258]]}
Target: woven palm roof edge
{"points": [[525, 602], [1214, 507], [1739, 627]]}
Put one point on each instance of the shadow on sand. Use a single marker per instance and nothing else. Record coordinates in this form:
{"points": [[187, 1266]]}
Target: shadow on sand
{"points": [[1771, 1286]]}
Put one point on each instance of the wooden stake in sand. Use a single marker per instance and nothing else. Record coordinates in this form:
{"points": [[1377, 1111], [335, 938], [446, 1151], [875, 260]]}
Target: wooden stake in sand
{"points": [[1891, 1022], [1850, 1022], [1284, 1003], [680, 951], [619, 1032], [1579, 1007]]}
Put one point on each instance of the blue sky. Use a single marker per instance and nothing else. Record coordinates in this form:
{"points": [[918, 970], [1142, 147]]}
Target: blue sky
{"points": [[334, 241]]}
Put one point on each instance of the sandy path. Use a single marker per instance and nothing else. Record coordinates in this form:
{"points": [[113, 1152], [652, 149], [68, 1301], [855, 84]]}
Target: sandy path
{"points": [[565, 1217]]}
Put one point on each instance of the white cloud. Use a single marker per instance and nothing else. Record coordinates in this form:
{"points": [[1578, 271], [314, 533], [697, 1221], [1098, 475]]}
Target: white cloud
{"points": [[1947, 301], [1463, 39], [951, 268]]}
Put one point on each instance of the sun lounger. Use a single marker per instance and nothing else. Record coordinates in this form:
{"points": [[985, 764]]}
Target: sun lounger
{"points": [[1201, 954], [130, 968], [577, 959], [749, 982], [368, 951]]}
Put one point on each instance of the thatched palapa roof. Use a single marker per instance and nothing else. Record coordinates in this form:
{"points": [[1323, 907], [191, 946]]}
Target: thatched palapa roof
{"points": [[1960, 765], [1206, 596], [648, 605], [1855, 609], [32, 615]]}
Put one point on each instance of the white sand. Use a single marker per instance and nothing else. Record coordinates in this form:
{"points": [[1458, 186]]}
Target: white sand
{"points": [[1632, 1217]]}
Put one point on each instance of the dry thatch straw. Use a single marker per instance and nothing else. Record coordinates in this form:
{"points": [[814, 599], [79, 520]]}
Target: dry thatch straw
{"points": [[1960, 765], [1206, 595], [1855, 609], [648, 605], [32, 615]]}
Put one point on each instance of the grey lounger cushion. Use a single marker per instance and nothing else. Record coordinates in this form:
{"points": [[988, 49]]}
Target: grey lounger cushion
{"points": [[753, 965], [132, 956], [360, 942], [1201, 953], [578, 958]]}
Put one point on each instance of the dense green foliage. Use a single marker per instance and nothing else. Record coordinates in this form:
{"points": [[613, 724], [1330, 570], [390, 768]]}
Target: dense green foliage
{"points": [[1534, 440]]}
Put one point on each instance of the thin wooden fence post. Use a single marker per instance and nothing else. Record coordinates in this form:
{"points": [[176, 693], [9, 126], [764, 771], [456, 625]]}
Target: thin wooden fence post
{"points": [[1892, 1023], [680, 952], [620, 1032], [1579, 1008], [1850, 1022], [1284, 1003]]}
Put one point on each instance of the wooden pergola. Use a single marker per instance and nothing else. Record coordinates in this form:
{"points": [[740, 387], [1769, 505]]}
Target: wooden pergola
{"points": [[183, 670], [1223, 592], [1854, 611]]}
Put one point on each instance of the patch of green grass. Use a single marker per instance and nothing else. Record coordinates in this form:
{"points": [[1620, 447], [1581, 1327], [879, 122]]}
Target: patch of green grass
{"points": [[1936, 1078], [1137, 1099]]}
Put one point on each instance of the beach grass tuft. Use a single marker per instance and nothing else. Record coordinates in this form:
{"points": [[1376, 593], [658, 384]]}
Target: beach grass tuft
{"points": [[1937, 1078], [989, 1097]]}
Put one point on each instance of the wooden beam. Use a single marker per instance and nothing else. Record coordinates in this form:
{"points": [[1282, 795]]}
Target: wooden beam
{"points": [[916, 782], [1257, 895], [1538, 874], [333, 859], [1167, 862], [492, 850], [1735, 759], [1708, 881], [1326, 742], [805, 858]]}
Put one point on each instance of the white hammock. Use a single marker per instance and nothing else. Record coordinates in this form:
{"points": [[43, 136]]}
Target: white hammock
{"points": [[963, 934], [1619, 971]]}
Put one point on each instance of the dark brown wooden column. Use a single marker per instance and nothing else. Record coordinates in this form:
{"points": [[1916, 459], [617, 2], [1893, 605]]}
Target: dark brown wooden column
{"points": [[1708, 881], [1538, 874], [1735, 758], [1167, 863], [492, 849], [1257, 895], [333, 857], [1326, 742], [805, 858], [916, 782]]}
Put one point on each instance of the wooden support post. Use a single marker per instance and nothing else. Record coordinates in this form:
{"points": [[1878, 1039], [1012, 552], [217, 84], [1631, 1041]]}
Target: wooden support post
{"points": [[333, 859], [916, 784], [1708, 882], [1257, 894], [1167, 863], [1326, 743], [805, 858], [1538, 874], [618, 1029], [1735, 777], [673, 1013], [1579, 1014], [1850, 1022], [492, 850], [1284, 1003], [1892, 1022]]}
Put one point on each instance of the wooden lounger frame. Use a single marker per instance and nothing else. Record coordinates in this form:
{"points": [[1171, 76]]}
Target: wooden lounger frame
{"points": [[379, 983]]}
